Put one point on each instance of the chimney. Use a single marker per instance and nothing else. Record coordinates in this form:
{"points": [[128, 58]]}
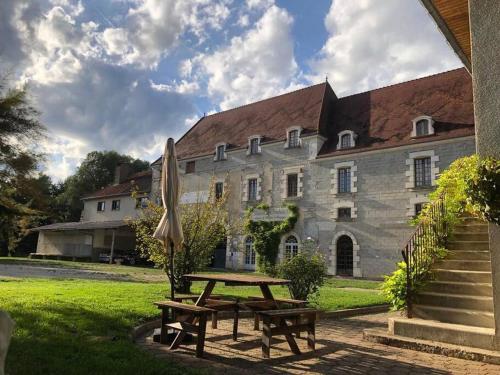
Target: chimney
{"points": [[122, 171]]}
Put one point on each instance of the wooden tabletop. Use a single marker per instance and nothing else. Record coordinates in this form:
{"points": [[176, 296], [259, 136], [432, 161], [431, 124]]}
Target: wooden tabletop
{"points": [[236, 278]]}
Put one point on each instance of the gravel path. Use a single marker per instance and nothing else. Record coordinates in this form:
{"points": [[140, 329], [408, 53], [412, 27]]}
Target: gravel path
{"points": [[21, 271]]}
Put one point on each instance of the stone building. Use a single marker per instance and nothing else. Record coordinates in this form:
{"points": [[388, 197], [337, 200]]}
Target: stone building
{"points": [[358, 167], [102, 228]]}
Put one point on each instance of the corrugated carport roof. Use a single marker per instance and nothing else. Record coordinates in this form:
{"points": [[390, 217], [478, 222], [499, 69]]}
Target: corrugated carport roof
{"points": [[83, 225]]}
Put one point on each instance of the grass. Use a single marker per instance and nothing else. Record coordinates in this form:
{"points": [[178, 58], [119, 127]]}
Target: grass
{"points": [[80, 327], [74, 326]]}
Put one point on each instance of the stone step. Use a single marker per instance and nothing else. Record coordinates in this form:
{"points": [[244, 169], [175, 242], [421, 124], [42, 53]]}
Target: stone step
{"points": [[468, 255], [468, 245], [468, 265], [471, 228], [469, 236], [456, 334], [454, 287], [458, 301], [456, 316], [472, 220], [462, 276]]}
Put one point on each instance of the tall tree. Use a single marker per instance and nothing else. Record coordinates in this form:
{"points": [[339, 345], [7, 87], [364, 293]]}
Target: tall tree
{"points": [[19, 130], [96, 171]]}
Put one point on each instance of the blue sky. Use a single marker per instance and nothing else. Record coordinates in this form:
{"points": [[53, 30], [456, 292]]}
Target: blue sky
{"points": [[127, 74]]}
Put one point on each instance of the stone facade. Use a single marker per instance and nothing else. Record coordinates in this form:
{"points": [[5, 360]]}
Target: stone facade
{"points": [[382, 197]]}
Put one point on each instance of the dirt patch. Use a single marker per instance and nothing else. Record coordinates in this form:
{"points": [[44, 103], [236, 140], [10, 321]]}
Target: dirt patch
{"points": [[22, 271]]}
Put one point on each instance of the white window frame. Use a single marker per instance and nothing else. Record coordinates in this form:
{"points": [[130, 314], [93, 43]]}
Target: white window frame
{"points": [[344, 203], [410, 171], [430, 123], [353, 139], [299, 133], [103, 206], [244, 189], [418, 198], [299, 171], [216, 157], [259, 148], [118, 205], [295, 244], [334, 172], [282, 251]]}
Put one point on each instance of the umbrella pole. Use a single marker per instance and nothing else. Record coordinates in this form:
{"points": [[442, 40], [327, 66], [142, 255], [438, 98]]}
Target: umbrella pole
{"points": [[172, 281]]}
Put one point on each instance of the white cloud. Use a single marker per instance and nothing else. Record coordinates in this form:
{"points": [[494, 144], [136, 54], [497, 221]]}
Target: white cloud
{"points": [[183, 87], [373, 43], [259, 4], [153, 28], [258, 64]]}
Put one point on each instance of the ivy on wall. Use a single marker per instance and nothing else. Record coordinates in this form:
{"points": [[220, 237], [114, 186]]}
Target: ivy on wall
{"points": [[267, 236]]}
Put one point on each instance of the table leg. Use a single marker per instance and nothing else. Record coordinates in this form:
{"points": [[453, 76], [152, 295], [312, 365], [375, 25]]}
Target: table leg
{"points": [[164, 321], [200, 302], [235, 322], [266, 337]]}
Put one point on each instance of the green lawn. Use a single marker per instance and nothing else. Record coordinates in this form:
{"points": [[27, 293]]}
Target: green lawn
{"points": [[79, 326]]}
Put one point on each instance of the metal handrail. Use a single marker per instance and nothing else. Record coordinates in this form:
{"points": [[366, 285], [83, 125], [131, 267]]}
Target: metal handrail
{"points": [[420, 250]]}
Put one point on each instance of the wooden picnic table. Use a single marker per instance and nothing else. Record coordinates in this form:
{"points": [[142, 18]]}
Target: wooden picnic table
{"points": [[236, 279]]}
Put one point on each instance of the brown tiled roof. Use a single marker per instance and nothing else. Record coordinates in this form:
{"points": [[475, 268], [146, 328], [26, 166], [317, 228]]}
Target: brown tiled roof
{"points": [[269, 118], [140, 181], [383, 117]]}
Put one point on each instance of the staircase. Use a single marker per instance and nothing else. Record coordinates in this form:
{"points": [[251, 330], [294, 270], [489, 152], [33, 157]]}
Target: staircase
{"points": [[456, 307]]}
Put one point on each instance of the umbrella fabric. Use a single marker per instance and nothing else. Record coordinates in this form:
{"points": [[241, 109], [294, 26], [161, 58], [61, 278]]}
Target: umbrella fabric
{"points": [[169, 229]]}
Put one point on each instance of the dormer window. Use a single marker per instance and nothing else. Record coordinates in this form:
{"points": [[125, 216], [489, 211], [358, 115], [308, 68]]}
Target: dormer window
{"points": [[347, 139], [293, 137], [422, 126], [220, 152], [254, 145]]}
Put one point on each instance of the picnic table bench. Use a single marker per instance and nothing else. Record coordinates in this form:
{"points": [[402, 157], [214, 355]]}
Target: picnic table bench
{"points": [[193, 319], [303, 320]]}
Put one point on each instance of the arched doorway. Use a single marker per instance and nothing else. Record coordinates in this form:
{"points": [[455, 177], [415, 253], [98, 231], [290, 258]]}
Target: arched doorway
{"points": [[344, 256]]}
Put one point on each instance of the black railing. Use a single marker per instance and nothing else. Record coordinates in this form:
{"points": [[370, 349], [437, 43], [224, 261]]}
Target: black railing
{"points": [[423, 248]]}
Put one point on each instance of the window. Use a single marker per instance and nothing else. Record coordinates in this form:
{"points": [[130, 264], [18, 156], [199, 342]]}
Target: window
{"points": [[293, 139], [423, 172], [101, 206], [254, 146], [115, 205], [252, 189], [418, 208], [292, 184], [422, 127], [344, 180], [190, 166], [249, 251], [219, 190], [141, 202], [345, 141], [344, 213], [221, 150], [291, 247]]}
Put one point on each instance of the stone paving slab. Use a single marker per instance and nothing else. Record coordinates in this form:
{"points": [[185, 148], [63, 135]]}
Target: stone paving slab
{"points": [[340, 349]]}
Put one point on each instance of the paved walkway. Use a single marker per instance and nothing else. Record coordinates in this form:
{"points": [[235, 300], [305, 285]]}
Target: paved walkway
{"points": [[340, 349]]}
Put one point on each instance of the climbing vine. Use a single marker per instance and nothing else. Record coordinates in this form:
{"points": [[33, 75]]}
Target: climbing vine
{"points": [[267, 236]]}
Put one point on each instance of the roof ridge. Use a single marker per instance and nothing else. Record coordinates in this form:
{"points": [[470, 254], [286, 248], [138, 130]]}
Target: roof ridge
{"points": [[402, 83], [264, 100]]}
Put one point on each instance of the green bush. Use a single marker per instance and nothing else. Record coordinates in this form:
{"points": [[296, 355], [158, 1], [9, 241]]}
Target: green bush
{"points": [[307, 273], [394, 287], [484, 190]]}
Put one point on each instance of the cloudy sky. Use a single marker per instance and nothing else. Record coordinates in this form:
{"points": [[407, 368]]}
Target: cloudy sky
{"points": [[127, 74]]}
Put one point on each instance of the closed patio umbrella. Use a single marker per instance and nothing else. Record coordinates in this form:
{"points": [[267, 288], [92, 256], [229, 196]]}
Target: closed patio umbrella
{"points": [[169, 230]]}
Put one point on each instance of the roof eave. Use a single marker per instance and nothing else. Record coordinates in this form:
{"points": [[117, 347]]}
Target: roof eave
{"points": [[448, 34]]}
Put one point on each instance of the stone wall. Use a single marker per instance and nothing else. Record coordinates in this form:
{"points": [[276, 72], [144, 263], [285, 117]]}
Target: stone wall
{"points": [[382, 198]]}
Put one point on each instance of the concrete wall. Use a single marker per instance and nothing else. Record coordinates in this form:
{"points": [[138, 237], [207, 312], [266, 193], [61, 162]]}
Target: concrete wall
{"points": [[383, 200], [485, 39], [64, 243], [127, 209]]}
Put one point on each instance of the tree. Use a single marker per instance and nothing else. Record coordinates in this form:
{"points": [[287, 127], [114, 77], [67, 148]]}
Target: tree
{"points": [[95, 172], [19, 130], [205, 224]]}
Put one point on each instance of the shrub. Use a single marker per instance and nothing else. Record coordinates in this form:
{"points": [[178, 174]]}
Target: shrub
{"points": [[484, 190], [307, 273]]}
